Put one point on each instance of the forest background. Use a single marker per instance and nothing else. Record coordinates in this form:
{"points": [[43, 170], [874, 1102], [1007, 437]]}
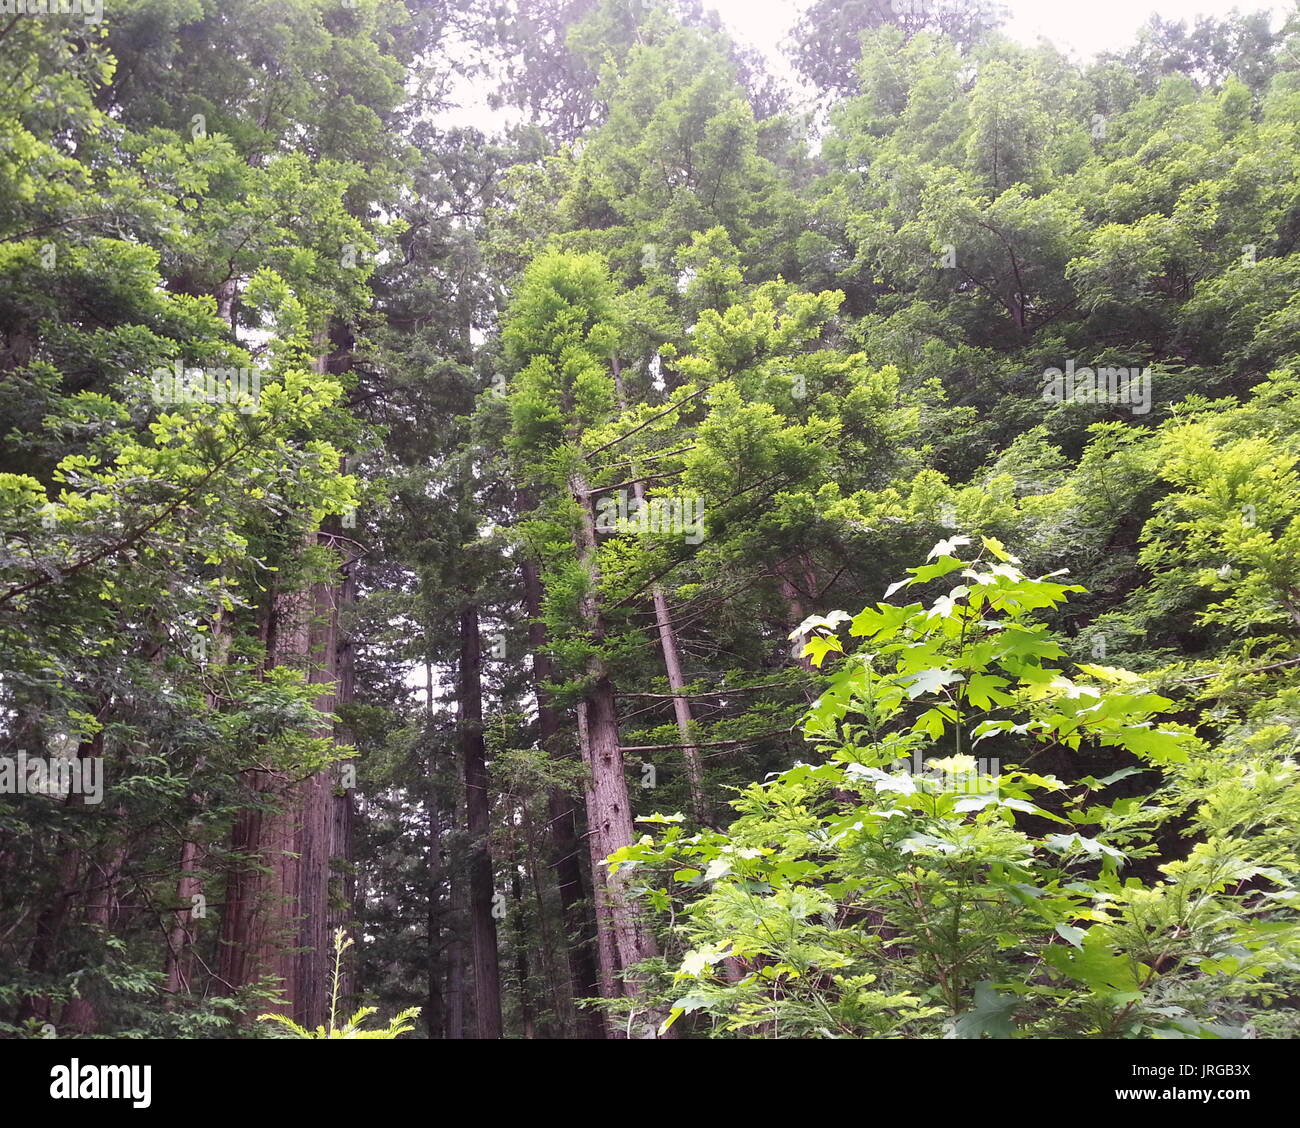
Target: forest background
{"points": [[688, 563]]}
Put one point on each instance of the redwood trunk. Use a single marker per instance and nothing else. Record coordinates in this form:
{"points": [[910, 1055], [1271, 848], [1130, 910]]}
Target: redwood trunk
{"points": [[189, 882], [483, 926], [456, 956], [435, 1007], [44, 955], [279, 910]]}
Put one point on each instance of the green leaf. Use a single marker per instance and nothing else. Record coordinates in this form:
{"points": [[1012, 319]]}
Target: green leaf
{"points": [[930, 681], [1071, 934], [990, 1017]]}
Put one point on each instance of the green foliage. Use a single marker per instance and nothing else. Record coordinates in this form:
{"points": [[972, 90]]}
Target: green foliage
{"points": [[1026, 809], [897, 886], [399, 1024]]}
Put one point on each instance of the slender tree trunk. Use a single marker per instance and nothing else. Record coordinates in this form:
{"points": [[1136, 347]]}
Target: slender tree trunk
{"points": [[579, 923], [180, 937], [458, 916], [316, 829], [483, 926], [796, 609], [672, 661], [435, 1008], [527, 1017], [189, 882], [627, 935], [681, 704], [226, 294], [456, 956], [559, 987], [343, 891]]}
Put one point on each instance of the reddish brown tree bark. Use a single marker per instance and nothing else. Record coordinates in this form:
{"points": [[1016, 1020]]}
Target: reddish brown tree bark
{"points": [[483, 926], [279, 912]]}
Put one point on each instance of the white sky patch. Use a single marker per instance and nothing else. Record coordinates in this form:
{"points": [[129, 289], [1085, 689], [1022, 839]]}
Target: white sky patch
{"points": [[1081, 29], [1086, 29]]}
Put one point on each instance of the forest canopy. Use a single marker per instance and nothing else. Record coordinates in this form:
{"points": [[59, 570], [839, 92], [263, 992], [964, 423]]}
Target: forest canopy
{"points": [[727, 551]]}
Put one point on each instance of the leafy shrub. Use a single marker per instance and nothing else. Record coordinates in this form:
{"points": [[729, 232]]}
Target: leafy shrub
{"points": [[900, 887]]}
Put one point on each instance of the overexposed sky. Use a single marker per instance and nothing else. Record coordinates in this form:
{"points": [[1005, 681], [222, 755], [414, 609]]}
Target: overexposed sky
{"points": [[1081, 26], [1088, 26], [1078, 27]]}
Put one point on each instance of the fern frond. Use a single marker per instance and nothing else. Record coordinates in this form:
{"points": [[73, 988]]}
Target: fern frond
{"points": [[355, 1020], [300, 1031]]}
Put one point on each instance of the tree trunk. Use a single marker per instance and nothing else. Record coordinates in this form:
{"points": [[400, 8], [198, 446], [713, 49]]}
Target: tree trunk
{"points": [[456, 956], [189, 881], [81, 1015], [226, 294], [559, 987], [343, 882], [527, 1019], [180, 937], [672, 661], [44, 955], [681, 704], [256, 937], [279, 912], [316, 829], [579, 922], [483, 926], [435, 1007], [621, 925], [796, 609]]}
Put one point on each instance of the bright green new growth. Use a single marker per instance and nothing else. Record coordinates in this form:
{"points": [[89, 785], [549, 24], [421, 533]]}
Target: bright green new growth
{"points": [[401, 1023]]}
